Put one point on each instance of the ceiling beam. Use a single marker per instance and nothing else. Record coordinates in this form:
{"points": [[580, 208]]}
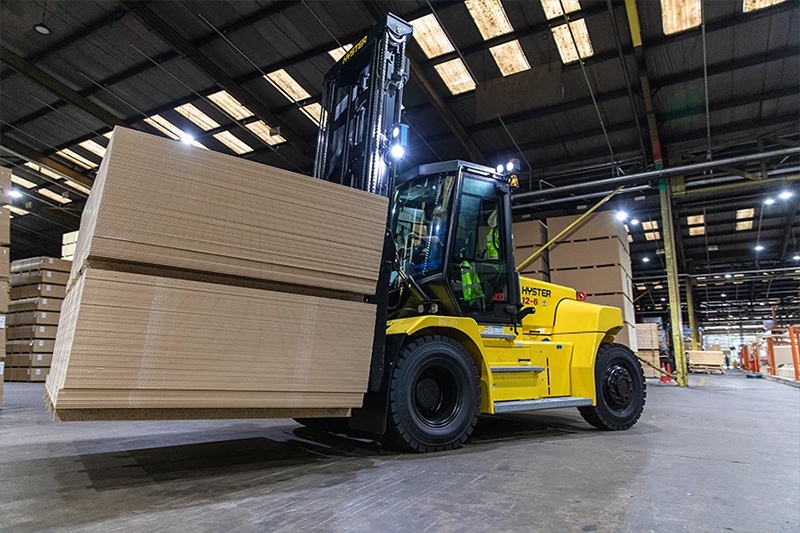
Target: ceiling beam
{"points": [[56, 87], [26, 152], [171, 37]]}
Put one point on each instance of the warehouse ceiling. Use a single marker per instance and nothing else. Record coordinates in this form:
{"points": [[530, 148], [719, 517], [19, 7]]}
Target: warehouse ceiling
{"points": [[577, 97]]}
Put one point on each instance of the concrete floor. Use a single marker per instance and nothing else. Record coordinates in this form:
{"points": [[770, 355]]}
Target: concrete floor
{"points": [[723, 455]]}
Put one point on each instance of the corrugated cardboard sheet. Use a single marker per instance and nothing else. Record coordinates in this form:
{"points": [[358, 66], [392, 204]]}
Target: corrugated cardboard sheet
{"points": [[160, 202], [134, 341]]}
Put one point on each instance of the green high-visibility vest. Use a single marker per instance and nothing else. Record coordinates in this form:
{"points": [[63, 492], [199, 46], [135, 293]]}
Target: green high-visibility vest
{"points": [[470, 283], [492, 245]]}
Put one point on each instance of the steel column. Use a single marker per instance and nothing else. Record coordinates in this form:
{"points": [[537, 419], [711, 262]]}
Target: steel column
{"points": [[695, 334], [673, 282]]}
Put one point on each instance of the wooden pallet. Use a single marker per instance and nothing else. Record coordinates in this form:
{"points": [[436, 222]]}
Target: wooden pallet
{"points": [[706, 369]]}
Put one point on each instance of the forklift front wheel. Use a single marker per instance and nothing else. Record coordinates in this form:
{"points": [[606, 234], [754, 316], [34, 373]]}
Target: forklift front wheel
{"points": [[620, 389], [434, 395]]}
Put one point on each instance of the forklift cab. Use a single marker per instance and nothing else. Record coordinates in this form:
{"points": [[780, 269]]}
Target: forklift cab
{"points": [[451, 224]]}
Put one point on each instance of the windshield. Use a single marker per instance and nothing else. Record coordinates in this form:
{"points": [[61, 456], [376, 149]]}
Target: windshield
{"points": [[419, 222]]}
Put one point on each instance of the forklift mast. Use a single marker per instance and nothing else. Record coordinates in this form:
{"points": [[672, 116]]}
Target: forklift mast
{"points": [[362, 101]]}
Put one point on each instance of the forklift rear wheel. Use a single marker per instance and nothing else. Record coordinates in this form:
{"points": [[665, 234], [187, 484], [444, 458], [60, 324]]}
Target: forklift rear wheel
{"points": [[434, 395], [621, 390]]}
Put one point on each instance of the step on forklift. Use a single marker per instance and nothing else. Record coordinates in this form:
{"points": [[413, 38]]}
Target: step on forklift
{"points": [[459, 332]]}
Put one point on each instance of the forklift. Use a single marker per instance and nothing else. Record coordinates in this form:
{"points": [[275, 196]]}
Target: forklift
{"points": [[459, 332]]}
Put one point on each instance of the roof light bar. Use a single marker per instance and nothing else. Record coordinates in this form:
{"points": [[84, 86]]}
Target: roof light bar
{"points": [[191, 112], [230, 105], [556, 8], [287, 85], [264, 132], [95, 148], [567, 46], [78, 159], [234, 143], [455, 75], [431, 37]]}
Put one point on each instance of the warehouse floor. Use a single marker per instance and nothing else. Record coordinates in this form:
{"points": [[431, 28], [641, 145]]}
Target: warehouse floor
{"points": [[720, 456]]}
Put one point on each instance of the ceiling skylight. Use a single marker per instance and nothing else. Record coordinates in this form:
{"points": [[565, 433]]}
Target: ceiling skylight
{"points": [[286, 84], [191, 112], [54, 196], [43, 170], [95, 148], [234, 143], [553, 8], [697, 230], [313, 111], [22, 182], [489, 17], [744, 225], [456, 76], [431, 37], [78, 159], [16, 210], [680, 15], [77, 186], [745, 213], [754, 5], [694, 220], [566, 44], [261, 130], [338, 53], [510, 58], [230, 105]]}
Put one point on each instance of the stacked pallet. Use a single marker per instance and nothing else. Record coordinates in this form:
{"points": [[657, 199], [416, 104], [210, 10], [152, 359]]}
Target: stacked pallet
{"points": [[706, 361], [38, 286], [5, 254], [648, 347], [529, 236], [235, 291], [595, 258], [68, 243]]}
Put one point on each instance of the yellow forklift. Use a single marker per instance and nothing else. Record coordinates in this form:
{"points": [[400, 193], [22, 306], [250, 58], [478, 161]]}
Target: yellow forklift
{"points": [[459, 332]]}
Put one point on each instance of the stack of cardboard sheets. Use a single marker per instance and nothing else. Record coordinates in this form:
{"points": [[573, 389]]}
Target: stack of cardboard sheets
{"points": [[5, 254], [207, 286], [38, 286]]}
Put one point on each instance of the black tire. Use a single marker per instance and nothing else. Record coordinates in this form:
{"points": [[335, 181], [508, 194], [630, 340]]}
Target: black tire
{"points": [[331, 425], [434, 396], [621, 389]]}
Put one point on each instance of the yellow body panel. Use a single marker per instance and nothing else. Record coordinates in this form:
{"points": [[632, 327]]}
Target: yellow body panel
{"points": [[562, 336]]}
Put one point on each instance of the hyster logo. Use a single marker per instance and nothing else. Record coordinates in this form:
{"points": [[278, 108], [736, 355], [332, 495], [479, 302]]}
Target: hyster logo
{"points": [[359, 45], [536, 291]]}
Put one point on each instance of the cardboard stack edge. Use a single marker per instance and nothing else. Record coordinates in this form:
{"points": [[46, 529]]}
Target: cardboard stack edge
{"points": [[235, 292], [33, 317], [595, 258], [5, 271]]}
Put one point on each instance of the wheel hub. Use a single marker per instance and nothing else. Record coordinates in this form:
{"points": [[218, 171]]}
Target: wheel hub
{"points": [[428, 393], [619, 385]]}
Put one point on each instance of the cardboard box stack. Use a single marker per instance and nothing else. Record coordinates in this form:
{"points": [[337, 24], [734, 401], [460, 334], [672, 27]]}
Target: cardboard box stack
{"points": [[68, 243], [595, 258], [529, 236], [235, 291], [648, 347], [5, 255], [38, 286]]}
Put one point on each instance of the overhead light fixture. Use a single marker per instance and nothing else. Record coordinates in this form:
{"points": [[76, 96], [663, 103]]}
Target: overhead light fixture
{"points": [[42, 28], [796, 257], [640, 198], [663, 299], [187, 139], [634, 222], [728, 276], [759, 248], [621, 215], [769, 201], [723, 295], [14, 193], [645, 259], [785, 195]]}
